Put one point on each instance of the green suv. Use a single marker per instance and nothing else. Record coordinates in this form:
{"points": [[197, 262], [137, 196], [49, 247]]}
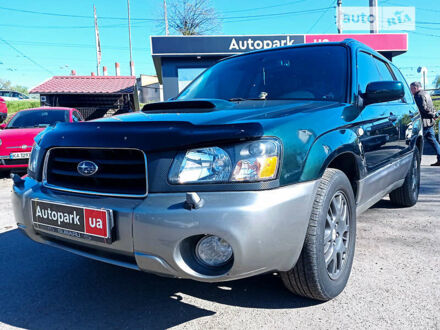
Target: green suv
{"points": [[260, 165]]}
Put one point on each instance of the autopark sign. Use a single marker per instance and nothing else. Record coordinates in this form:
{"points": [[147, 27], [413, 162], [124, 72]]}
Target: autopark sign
{"points": [[218, 45], [224, 45]]}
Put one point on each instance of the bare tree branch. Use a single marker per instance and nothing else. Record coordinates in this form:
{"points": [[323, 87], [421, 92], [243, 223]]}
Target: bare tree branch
{"points": [[191, 17]]}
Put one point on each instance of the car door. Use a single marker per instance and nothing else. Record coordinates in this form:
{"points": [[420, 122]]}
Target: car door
{"points": [[408, 113], [380, 138]]}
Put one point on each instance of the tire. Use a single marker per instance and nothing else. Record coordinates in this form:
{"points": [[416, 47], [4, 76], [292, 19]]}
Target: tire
{"points": [[312, 276], [408, 194]]}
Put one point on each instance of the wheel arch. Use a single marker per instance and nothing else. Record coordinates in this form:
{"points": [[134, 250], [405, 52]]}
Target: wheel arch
{"points": [[338, 149]]}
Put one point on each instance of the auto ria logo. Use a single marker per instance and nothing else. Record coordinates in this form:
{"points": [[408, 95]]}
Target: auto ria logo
{"points": [[251, 44]]}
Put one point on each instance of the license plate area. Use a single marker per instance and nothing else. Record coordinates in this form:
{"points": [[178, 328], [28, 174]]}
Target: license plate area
{"points": [[73, 221], [20, 155]]}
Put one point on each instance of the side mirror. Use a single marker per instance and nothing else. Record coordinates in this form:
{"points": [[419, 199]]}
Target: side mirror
{"points": [[3, 126], [383, 91]]}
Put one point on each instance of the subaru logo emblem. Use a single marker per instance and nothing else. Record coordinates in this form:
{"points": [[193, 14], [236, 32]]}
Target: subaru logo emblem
{"points": [[87, 168]]}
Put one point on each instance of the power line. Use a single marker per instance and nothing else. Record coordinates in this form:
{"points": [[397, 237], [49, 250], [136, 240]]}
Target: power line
{"points": [[158, 19], [279, 14], [428, 22], [25, 56], [67, 45], [423, 34], [320, 17], [265, 7], [74, 16], [21, 26], [418, 8]]}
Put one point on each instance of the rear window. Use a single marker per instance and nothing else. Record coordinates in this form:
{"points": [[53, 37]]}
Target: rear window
{"points": [[38, 118]]}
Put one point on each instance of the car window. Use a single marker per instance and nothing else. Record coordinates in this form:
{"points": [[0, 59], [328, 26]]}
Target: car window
{"points": [[315, 73], [76, 117], [382, 67], [38, 118], [371, 69], [408, 98]]}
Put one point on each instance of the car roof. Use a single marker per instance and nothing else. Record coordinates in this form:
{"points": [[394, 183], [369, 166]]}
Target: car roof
{"points": [[10, 90], [49, 108]]}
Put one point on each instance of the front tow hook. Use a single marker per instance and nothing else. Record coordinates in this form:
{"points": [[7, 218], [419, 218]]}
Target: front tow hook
{"points": [[18, 181]]}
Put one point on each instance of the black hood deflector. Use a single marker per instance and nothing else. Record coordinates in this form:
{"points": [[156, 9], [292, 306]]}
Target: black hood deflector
{"points": [[147, 136]]}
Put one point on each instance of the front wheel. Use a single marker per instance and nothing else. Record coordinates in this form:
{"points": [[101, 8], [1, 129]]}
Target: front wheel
{"points": [[324, 266], [408, 194]]}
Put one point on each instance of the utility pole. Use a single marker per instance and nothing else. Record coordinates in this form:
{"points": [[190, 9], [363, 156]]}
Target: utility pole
{"points": [[129, 40], [374, 12], [339, 16], [97, 42], [167, 31]]}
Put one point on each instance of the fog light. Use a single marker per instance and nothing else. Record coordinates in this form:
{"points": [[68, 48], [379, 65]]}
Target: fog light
{"points": [[213, 251]]}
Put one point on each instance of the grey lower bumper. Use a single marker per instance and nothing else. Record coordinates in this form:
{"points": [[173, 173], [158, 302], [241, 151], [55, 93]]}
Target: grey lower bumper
{"points": [[266, 229]]}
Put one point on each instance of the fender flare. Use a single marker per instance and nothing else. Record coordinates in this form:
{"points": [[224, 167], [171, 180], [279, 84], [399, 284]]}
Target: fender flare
{"points": [[329, 146]]}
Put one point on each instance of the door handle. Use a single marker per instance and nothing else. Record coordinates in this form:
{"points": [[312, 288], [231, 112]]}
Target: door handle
{"points": [[392, 118]]}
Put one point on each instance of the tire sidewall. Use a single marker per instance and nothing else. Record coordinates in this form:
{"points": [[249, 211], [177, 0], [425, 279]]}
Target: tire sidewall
{"points": [[415, 161], [331, 287]]}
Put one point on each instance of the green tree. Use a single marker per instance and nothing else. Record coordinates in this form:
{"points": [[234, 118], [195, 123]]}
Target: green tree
{"points": [[437, 81], [6, 84]]}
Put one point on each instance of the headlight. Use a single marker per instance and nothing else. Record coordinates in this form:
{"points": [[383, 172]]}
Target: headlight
{"points": [[246, 162], [201, 165], [33, 160]]}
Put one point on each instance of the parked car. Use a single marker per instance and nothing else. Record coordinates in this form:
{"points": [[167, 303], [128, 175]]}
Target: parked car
{"points": [[13, 95], [17, 135], [3, 110], [435, 92], [260, 165]]}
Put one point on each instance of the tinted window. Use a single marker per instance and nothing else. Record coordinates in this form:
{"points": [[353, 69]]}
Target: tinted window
{"points": [[371, 69], [317, 73], [38, 118], [384, 72], [408, 96], [76, 116]]}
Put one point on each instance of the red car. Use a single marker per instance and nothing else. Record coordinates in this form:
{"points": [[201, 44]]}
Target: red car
{"points": [[17, 135], [3, 110]]}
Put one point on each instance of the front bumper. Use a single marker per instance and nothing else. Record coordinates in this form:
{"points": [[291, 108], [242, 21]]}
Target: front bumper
{"points": [[266, 229], [6, 163]]}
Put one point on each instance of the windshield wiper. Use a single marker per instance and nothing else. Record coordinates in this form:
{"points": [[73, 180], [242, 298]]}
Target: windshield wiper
{"points": [[238, 99]]}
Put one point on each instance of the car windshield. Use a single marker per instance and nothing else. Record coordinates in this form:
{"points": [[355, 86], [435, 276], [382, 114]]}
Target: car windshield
{"points": [[38, 118], [309, 73]]}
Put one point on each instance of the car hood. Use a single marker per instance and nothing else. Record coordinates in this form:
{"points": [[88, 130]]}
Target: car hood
{"points": [[223, 112], [17, 138], [174, 127]]}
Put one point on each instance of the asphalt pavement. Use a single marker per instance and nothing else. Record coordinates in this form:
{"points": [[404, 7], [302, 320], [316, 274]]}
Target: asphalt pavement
{"points": [[394, 284]]}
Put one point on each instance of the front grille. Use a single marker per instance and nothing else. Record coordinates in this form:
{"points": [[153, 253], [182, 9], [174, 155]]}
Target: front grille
{"points": [[120, 172]]}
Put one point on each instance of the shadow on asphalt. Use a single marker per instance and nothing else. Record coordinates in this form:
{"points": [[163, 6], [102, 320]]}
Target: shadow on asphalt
{"points": [[42, 287], [4, 174]]}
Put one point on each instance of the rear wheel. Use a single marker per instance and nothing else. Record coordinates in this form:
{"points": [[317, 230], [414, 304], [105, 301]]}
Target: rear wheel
{"points": [[324, 265], [408, 194]]}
